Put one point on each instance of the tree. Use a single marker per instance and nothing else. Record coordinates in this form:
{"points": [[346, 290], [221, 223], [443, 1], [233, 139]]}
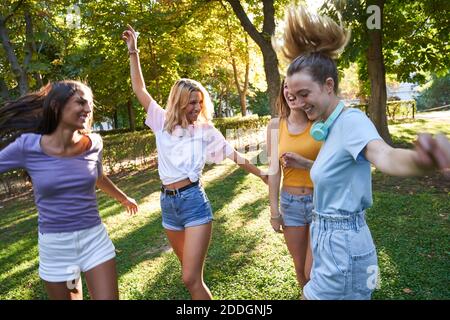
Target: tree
{"points": [[263, 39], [32, 38], [405, 38], [238, 50], [377, 75], [436, 94], [19, 69], [175, 41]]}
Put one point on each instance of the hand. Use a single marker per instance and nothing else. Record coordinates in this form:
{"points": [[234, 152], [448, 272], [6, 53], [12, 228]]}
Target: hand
{"points": [[130, 38], [130, 204], [276, 220], [433, 153], [294, 160]]}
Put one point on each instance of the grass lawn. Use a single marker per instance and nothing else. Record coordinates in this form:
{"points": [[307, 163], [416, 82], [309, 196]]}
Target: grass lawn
{"points": [[247, 260]]}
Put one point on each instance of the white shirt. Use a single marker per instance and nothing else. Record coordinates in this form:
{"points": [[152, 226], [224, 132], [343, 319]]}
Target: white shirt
{"points": [[183, 153]]}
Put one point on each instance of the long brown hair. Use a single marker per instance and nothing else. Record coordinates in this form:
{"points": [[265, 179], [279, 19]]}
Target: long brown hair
{"points": [[281, 104], [312, 42], [37, 112]]}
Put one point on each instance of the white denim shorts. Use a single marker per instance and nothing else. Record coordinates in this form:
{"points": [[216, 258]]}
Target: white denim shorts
{"points": [[62, 256]]}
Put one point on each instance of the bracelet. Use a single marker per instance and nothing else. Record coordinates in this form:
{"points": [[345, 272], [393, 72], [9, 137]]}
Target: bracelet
{"points": [[133, 51], [276, 218]]}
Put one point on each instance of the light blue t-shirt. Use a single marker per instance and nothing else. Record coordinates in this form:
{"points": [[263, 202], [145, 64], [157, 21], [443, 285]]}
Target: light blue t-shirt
{"points": [[341, 174]]}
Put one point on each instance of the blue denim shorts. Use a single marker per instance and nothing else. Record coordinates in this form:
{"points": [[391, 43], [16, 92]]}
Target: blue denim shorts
{"points": [[188, 208], [345, 262], [296, 209]]}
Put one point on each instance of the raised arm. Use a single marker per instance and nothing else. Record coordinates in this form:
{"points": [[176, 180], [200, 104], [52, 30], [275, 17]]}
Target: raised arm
{"points": [[137, 79]]}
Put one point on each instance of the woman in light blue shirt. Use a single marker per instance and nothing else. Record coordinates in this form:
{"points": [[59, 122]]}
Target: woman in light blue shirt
{"points": [[344, 257]]}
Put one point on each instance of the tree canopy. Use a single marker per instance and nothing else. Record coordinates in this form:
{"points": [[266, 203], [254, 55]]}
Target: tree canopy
{"points": [[224, 44]]}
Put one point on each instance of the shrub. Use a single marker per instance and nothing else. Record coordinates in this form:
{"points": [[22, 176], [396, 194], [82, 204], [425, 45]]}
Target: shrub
{"points": [[123, 149]]}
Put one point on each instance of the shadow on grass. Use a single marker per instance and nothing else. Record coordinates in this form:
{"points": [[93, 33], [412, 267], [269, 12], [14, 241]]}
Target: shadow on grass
{"points": [[412, 235], [28, 277], [132, 249], [229, 250]]}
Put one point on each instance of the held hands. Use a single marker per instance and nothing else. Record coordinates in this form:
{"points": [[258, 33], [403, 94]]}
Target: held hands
{"points": [[130, 204], [276, 220], [433, 152], [130, 38], [294, 160]]}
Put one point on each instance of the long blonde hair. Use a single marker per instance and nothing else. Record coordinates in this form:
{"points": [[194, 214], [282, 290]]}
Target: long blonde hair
{"points": [[313, 42], [178, 101]]}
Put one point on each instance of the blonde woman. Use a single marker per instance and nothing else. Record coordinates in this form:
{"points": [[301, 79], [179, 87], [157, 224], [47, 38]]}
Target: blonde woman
{"points": [[185, 140], [344, 256], [291, 211]]}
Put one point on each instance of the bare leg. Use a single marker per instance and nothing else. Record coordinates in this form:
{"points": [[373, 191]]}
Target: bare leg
{"points": [[102, 281], [176, 240], [309, 258], [297, 243], [194, 253], [64, 291]]}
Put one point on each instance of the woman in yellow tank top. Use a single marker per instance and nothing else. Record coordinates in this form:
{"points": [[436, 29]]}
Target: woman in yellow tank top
{"points": [[291, 209]]}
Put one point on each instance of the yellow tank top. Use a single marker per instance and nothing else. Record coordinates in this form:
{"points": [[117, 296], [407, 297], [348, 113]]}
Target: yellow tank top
{"points": [[302, 144]]}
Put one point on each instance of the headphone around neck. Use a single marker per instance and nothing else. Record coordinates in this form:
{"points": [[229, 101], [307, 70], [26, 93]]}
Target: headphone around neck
{"points": [[319, 130]]}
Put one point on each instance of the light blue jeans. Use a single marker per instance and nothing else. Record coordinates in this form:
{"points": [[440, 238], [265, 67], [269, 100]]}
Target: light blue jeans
{"points": [[188, 208], [296, 209], [345, 262]]}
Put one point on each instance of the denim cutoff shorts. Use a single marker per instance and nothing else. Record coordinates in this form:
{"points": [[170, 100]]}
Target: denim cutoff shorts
{"points": [[345, 265], [296, 209], [188, 208]]}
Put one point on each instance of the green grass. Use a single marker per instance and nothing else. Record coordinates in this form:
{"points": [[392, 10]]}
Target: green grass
{"points": [[246, 260]]}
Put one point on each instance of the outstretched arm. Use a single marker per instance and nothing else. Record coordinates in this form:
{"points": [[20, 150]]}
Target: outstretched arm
{"points": [[107, 186], [429, 154], [247, 166], [137, 79]]}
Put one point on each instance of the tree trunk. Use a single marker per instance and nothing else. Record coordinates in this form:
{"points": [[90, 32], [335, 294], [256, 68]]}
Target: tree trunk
{"points": [[19, 73], [246, 80], [377, 76], [115, 120], [31, 48], [219, 105], [241, 91], [263, 40], [131, 115], [272, 78], [4, 92]]}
